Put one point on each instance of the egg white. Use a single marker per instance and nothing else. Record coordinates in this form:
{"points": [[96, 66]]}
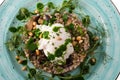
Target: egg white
{"points": [[50, 45]]}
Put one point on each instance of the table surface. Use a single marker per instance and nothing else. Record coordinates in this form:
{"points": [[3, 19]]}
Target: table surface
{"points": [[116, 3]]}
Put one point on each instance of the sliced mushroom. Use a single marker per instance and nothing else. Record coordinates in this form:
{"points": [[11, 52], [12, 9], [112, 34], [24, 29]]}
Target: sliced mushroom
{"points": [[29, 24], [35, 18]]}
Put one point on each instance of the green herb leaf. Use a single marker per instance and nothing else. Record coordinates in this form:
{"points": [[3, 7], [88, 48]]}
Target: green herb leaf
{"points": [[50, 56], [45, 22], [10, 45], [40, 7], [71, 27], [85, 69], [86, 21], [77, 48], [59, 51], [20, 52], [51, 5], [45, 34], [29, 76], [24, 62], [32, 71], [67, 41], [71, 8], [80, 31], [56, 29], [52, 19], [23, 14], [12, 29], [15, 42], [67, 5], [65, 17], [31, 45], [36, 33]]}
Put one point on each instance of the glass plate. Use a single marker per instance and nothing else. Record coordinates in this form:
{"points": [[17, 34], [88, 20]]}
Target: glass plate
{"points": [[100, 11]]}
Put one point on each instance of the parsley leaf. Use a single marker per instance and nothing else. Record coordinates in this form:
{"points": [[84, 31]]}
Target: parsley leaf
{"points": [[32, 71], [71, 27], [51, 5], [51, 56], [67, 5], [80, 31], [24, 62], [65, 17], [12, 29], [86, 21], [45, 34], [31, 45], [59, 51], [56, 29], [37, 33], [23, 14], [40, 7]]}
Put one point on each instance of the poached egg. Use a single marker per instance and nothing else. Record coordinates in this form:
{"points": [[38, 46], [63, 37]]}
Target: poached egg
{"points": [[57, 36]]}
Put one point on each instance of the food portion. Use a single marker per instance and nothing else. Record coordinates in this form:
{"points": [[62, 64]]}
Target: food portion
{"points": [[55, 43], [53, 39], [61, 45]]}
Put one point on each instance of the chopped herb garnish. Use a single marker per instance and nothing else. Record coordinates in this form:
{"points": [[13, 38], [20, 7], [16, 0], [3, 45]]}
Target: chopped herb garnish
{"points": [[31, 45], [86, 21], [71, 27], [12, 29], [77, 48], [67, 5], [71, 8], [14, 42], [51, 56], [67, 41], [32, 71], [40, 7], [51, 5], [20, 52], [56, 29], [65, 17], [80, 30], [23, 14], [24, 62], [45, 34], [59, 51], [45, 22], [36, 33], [85, 69], [52, 20]]}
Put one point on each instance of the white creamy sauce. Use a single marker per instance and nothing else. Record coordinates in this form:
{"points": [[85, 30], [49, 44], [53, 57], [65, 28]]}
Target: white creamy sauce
{"points": [[56, 39]]}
